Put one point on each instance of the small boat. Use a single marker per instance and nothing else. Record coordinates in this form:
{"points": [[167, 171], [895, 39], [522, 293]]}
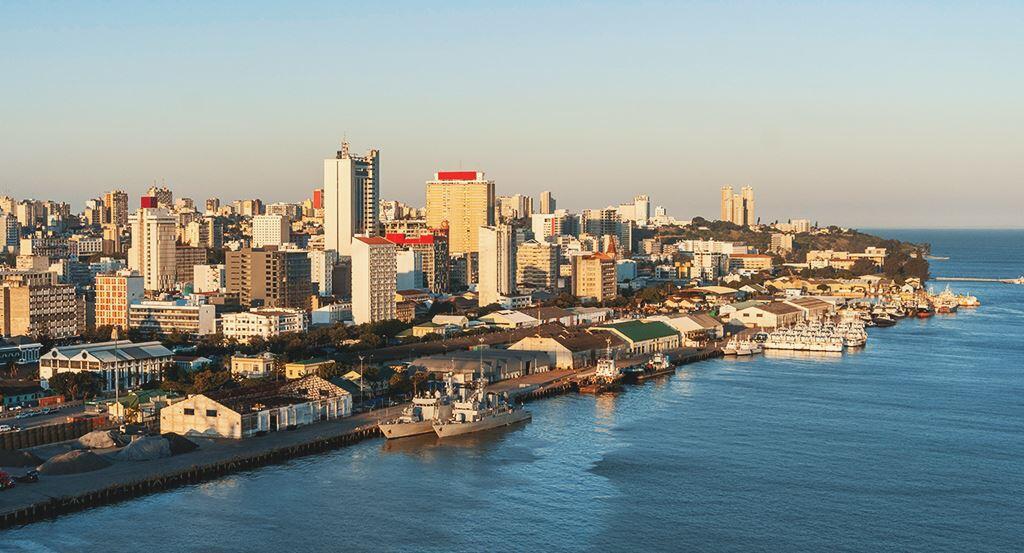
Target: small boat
{"points": [[606, 377], [883, 321], [730, 348]]}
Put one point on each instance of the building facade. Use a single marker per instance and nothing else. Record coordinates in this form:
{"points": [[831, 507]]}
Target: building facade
{"points": [[462, 201], [351, 196], [374, 279]]}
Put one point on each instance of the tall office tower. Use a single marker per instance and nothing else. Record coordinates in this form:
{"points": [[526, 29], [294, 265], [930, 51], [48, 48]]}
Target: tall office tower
{"points": [[537, 265], [153, 250], [212, 206], [351, 193], [642, 209], [269, 277], [497, 264], [318, 198], [726, 214], [115, 205], [593, 277], [12, 231], [114, 293], [270, 230], [374, 279], [164, 196], [432, 245], [747, 195], [547, 202], [184, 204], [463, 200]]}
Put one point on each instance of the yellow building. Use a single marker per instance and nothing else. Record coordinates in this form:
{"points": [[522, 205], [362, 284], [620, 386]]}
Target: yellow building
{"points": [[537, 265], [593, 277], [114, 293], [465, 201], [299, 369], [252, 366]]}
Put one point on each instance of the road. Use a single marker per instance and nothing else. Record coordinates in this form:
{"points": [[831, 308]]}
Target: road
{"points": [[40, 420]]}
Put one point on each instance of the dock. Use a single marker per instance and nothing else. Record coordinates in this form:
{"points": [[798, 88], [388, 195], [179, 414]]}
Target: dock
{"points": [[1019, 280]]}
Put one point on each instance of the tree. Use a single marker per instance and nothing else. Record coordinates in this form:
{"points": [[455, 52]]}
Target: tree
{"points": [[72, 386], [209, 381]]}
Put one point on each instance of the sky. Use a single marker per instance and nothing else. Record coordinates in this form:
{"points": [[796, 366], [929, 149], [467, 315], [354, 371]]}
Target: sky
{"points": [[851, 113]]}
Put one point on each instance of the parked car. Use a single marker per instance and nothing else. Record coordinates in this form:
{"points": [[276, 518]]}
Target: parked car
{"points": [[6, 428]]}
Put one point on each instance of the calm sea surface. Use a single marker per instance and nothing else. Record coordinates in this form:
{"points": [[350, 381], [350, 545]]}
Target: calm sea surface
{"points": [[915, 443]]}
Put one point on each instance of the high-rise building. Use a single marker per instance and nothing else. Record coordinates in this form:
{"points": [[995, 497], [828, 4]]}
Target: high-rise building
{"points": [[374, 279], [547, 202], [212, 206], [185, 260], [497, 270], [115, 205], [408, 269], [114, 293], [12, 231], [463, 201], [642, 209], [318, 198], [321, 270], [164, 196], [32, 303], [593, 277], [537, 264], [152, 253], [270, 230], [351, 193], [781, 242], [269, 277], [432, 245], [205, 232], [514, 207], [738, 208]]}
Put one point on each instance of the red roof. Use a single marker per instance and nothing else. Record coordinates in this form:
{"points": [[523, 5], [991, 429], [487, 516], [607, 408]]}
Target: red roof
{"points": [[373, 240], [401, 239], [457, 175]]}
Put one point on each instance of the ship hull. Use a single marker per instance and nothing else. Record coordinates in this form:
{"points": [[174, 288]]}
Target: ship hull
{"points": [[461, 428], [405, 429]]}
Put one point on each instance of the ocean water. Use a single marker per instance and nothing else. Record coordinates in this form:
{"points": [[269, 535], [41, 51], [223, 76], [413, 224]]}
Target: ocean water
{"points": [[915, 443]]}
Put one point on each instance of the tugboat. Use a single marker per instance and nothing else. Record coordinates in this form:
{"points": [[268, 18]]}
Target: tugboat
{"points": [[606, 378], [419, 417], [659, 364], [925, 310]]}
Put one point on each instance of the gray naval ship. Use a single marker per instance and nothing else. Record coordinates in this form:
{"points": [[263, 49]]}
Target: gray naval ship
{"points": [[477, 410], [419, 417]]}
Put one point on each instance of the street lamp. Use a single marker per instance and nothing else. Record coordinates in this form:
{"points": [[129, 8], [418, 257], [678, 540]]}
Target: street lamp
{"points": [[361, 382]]}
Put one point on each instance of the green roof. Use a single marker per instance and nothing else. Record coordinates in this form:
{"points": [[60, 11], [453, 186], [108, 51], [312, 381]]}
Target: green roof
{"points": [[314, 361], [639, 331]]}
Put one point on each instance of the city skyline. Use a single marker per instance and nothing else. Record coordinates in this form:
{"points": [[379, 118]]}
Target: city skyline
{"points": [[844, 116]]}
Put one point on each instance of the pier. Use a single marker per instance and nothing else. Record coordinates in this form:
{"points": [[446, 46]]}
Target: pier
{"points": [[1019, 280]]}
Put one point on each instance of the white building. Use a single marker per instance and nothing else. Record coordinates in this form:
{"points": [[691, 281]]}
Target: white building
{"points": [[121, 364], [270, 230], [409, 267], [497, 269], [244, 413], [264, 322], [331, 314], [351, 194], [153, 249], [208, 278], [374, 279], [166, 317]]}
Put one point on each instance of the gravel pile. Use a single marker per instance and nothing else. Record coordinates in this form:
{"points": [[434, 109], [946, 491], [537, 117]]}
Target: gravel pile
{"points": [[102, 439], [73, 462], [15, 458], [179, 444], [146, 448]]}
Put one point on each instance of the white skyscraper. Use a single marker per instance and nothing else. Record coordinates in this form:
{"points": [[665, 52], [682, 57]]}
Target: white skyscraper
{"points": [[642, 209], [321, 270], [351, 195], [410, 270], [373, 279], [497, 267], [153, 249], [270, 230]]}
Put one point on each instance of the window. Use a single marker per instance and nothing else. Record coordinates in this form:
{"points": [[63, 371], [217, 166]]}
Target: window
{"points": [[211, 412], [190, 411]]}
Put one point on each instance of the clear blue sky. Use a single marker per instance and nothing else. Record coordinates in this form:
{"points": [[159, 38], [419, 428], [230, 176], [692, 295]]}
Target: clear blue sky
{"points": [[853, 113]]}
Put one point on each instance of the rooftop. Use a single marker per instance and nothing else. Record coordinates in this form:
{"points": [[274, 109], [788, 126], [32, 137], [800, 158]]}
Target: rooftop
{"points": [[639, 331]]}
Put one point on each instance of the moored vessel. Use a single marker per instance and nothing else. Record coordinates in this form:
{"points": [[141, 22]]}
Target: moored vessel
{"points": [[419, 417]]}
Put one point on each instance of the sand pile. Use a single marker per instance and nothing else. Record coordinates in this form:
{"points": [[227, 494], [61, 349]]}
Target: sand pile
{"points": [[146, 448], [15, 458], [179, 444], [102, 439], [73, 462]]}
